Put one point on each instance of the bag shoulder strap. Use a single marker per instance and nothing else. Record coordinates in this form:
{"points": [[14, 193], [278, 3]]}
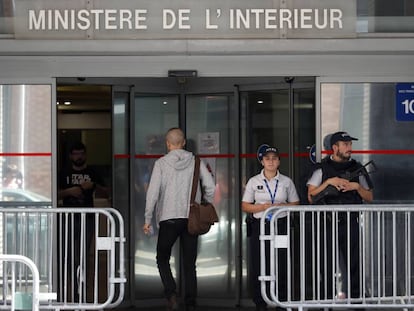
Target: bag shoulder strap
{"points": [[195, 178]]}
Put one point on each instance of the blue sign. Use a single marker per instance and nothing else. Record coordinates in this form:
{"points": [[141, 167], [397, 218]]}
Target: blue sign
{"points": [[404, 93]]}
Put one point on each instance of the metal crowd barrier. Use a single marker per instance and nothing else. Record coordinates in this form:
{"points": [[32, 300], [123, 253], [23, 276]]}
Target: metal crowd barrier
{"points": [[339, 256], [20, 282], [79, 254]]}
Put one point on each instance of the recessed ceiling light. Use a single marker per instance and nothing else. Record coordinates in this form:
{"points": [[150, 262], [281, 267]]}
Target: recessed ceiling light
{"points": [[67, 103], [164, 102], [260, 101]]}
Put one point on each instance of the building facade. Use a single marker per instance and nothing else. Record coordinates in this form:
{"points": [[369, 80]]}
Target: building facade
{"points": [[232, 74]]}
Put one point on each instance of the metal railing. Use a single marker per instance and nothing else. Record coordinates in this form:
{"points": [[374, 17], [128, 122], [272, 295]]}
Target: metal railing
{"points": [[19, 292], [339, 256], [79, 253]]}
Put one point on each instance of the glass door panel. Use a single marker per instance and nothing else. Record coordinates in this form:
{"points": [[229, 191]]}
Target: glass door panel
{"points": [[264, 120], [121, 162], [152, 117], [210, 131], [266, 117], [26, 164], [25, 142], [284, 117], [303, 137]]}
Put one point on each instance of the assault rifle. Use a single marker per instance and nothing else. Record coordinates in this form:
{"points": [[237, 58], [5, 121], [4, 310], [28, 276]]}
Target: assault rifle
{"points": [[332, 191]]}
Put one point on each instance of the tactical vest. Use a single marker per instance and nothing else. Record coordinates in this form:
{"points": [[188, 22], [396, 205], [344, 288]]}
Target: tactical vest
{"points": [[341, 169]]}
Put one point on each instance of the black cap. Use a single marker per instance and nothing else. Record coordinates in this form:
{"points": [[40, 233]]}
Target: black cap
{"points": [[265, 149], [341, 136]]}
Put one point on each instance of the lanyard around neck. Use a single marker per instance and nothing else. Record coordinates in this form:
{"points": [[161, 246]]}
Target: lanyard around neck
{"points": [[272, 195]]}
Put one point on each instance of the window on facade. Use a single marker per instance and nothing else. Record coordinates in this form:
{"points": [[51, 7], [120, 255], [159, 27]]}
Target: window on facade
{"points": [[384, 16], [6, 14], [25, 143]]}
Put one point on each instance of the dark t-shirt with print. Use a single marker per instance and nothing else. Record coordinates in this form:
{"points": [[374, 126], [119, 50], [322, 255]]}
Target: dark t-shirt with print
{"points": [[71, 177]]}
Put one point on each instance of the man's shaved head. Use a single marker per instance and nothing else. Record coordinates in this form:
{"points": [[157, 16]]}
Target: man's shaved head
{"points": [[175, 136]]}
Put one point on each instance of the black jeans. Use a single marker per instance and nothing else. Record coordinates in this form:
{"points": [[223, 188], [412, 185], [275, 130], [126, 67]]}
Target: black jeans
{"points": [[169, 231]]}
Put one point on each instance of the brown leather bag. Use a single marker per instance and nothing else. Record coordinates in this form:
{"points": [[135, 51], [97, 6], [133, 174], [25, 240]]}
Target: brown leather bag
{"points": [[202, 215]]}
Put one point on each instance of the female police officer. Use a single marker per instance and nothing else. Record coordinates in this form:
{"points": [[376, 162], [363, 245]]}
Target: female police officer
{"points": [[267, 189]]}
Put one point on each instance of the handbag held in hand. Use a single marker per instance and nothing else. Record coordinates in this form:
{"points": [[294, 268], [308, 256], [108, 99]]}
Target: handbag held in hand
{"points": [[202, 215]]}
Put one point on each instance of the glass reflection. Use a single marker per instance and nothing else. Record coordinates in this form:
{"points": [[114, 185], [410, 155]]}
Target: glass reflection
{"points": [[25, 143], [368, 112]]}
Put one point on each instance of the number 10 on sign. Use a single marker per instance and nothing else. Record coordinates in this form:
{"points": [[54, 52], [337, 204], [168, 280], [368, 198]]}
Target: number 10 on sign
{"points": [[404, 101], [408, 106]]}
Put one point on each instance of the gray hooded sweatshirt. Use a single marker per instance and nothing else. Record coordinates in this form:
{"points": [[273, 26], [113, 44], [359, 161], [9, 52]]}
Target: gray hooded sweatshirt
{"points": [[169, 190]]}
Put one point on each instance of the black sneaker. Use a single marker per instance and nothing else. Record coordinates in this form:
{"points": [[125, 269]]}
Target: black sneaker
{"points": [[172, 303]]}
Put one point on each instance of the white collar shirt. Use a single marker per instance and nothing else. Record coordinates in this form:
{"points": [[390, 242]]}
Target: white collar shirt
{"points": [[279, 189]]}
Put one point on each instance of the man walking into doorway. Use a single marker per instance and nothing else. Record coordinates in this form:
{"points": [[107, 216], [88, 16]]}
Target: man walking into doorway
{"points": [[169, 191]]}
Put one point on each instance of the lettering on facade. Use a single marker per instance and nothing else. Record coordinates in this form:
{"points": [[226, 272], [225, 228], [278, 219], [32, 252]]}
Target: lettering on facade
{"points": [[239, 19], [184, 19]]}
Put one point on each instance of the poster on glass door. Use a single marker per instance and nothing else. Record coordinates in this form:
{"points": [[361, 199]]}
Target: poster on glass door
{"points": [[209, 143]]}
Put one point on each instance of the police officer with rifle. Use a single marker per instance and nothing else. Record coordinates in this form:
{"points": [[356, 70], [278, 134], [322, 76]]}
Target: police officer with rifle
{"points": [[338, 179]]}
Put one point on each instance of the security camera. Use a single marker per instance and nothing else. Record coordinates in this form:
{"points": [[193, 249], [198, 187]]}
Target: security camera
{"points": [[289, 79]]}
